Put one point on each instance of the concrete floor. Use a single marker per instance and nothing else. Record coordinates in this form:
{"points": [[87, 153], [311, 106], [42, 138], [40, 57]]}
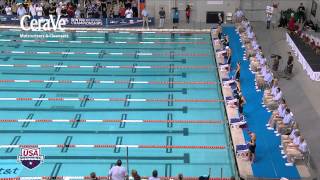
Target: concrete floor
{"points": [[302, 94]]}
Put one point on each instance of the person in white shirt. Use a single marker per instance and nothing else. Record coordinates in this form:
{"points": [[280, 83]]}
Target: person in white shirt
{"points": [[21, 11], [77, 13], [129, 13], [291, 141], [58, 9], [296, 152], [145, 18], [154, 175], [39, 10], [273, 104], [118, 172], [285, 123], [32, 10], [8, 10]]}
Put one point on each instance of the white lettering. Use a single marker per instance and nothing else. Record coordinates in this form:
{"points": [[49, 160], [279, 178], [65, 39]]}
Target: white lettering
{"points": [[43, 24], [22, 20]]}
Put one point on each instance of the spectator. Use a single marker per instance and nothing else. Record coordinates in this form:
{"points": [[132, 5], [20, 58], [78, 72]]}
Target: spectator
{"points": [[145, 17], [21, 11], [122, 11], [118, 172], [180, 176], [93, 176], [291, 24], [188, 13], [32, 10], [116, 10], [135, 175], [162, 15], [129, 13], [154, 175], [70, 10], [298, 151], [14, 8], [268, 17], [39, 10], [301, 12], [77, 13], [58, 9], [134, 8], [8, 10], [175, 17], [52, 10]]}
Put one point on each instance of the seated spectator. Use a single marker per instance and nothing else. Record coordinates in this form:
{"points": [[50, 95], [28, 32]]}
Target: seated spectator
{"points": [[289, 137], [291, 140], [135, 175], [271, 92], [154, 175], [273, 104], [296, 152], [180, 176], [93, 176], [286, 122], [277, 115]]}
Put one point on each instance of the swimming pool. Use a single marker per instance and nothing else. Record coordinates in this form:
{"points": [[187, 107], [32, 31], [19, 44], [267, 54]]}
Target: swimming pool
{"points": [[93, 94]]}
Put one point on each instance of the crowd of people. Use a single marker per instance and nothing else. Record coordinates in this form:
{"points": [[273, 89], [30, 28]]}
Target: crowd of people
{"points": [[282, 122], [118, 172], [92, 9]]}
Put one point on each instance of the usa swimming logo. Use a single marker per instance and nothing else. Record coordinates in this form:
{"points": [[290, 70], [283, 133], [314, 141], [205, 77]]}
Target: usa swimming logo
{"points": [[30, 157]]}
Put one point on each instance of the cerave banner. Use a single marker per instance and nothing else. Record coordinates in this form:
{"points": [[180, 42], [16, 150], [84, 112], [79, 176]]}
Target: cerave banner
{"points": [[81, 22], [127, 22], [84, 22]]}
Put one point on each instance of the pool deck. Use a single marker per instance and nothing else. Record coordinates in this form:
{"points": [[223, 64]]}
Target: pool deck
{"points": [[244, 166]]}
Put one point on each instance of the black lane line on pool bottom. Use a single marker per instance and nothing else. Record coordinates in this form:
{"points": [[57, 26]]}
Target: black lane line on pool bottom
{"points": [[14, 141], [49, 84], [169, 143], [184, 109], [183, 132], [75, 124], [123, 117], [104, 48], [84, 101], [118, 142], [185, 158], [5, 58], [26, 124], [130, 85], [168, 170], [55, 170], [134, 69], [38, 102], [183, 61], [127, 103], [57, 69], [184, 74], [183, 91], [169, 118], [96, 68], [91, 83], [66, 144]]}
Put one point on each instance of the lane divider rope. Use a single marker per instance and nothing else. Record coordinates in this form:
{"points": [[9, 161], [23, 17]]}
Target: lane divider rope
{"points": [[107, 53], [107, 82], [110, 121], [112, 99], [106, 146], [98, 42], [102, 67]]}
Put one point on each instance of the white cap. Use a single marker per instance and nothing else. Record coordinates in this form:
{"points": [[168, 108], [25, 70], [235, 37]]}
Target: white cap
{"points": [[227, 47]]}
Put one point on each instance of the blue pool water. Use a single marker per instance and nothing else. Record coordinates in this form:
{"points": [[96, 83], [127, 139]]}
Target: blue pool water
{"points": [[167, 52]]}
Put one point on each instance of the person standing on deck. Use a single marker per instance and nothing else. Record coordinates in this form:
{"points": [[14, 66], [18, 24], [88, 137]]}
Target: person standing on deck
{"points": [[118, 172]]}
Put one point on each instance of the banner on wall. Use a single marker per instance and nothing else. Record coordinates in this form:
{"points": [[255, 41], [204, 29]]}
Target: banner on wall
{"points": [[87, 22]]}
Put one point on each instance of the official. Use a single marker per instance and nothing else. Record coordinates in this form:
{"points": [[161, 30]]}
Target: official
{"points": [[289, 64]]}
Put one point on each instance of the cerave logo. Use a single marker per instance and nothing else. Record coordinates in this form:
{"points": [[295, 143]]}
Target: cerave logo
{"points": [[30, 157], [42, 24]]}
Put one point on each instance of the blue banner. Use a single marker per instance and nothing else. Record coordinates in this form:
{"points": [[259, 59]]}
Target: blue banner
{"points": [[126, 22]]}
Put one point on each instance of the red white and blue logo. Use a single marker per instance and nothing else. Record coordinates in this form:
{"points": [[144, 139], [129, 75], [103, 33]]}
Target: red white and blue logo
{"points": [[30, 157]]}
